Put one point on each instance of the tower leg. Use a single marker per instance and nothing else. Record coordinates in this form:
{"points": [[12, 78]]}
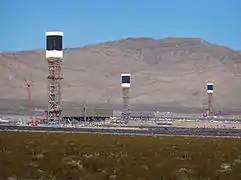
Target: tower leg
{"points": [[209, 113], [126, 105], [54, 93]]}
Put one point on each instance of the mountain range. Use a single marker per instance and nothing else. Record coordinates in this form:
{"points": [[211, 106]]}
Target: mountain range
{"points": [[169, 72]]}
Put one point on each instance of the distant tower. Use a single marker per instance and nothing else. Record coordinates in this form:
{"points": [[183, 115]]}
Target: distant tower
{"points": [[54, 56], [125, 84], [210, 98]]}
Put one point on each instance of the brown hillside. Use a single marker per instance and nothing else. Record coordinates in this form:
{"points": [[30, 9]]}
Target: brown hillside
{"points": [[166, 72]]}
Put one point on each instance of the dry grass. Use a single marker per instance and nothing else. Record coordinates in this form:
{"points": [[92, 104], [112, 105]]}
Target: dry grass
{"points": [[96, 157]]}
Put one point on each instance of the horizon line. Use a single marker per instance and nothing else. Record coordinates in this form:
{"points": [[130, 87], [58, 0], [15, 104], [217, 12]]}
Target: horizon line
{"points": [[127, 38]]}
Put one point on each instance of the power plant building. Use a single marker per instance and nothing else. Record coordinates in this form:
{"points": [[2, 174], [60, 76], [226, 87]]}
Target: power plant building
{"points": [[90, 114]]}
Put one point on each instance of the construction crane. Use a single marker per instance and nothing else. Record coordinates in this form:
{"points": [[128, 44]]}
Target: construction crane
{"points": [[28, 85]]}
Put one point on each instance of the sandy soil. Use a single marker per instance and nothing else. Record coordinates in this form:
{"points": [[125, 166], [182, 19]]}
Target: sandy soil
{"points": [[207, 125]]}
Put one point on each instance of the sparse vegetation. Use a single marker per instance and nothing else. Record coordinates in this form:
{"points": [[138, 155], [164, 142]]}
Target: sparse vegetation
{"points": [[66, 156]]}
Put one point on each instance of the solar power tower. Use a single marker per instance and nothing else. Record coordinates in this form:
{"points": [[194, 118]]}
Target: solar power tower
{"points": [[54, 57], [210, 98], [126, 84]]}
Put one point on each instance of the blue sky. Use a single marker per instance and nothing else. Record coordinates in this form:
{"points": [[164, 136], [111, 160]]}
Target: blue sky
{"points": [[23, 22]]}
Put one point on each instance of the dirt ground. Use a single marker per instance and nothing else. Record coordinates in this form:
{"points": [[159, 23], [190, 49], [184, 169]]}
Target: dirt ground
{"points": [[207, 125]]}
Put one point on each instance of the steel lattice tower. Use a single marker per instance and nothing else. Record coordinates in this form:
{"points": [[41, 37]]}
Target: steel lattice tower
{"points": [[126, 105], [210, 104], [54, 57], [126, 84], [210, 98]]}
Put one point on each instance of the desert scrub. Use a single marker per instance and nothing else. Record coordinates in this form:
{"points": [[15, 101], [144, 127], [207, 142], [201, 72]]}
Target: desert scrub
{"points": [[26, 155]]}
